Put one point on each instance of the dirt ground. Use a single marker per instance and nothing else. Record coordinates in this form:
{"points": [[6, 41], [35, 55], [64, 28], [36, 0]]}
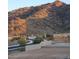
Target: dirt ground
{"points": [[42, 53]]}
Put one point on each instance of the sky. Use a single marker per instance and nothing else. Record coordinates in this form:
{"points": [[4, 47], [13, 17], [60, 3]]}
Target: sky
{"points": [[15, 4]]}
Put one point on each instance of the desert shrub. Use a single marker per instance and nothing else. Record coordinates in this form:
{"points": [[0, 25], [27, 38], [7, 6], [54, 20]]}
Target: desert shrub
{"points": [[37, 40], [22, 41]]}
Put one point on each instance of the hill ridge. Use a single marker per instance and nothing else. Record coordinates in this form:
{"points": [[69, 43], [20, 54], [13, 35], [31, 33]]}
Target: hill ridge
{"points": [[50, 18]]}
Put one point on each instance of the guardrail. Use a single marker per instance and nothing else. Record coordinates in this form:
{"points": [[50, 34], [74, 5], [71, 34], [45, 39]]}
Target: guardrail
{"points": [[15, 47]]}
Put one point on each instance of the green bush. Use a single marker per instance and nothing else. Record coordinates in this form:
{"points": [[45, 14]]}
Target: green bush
{"points": [[37, 40], [22, 41]]}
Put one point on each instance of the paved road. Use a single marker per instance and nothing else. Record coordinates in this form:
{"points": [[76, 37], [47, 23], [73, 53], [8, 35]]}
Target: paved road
{"points": [[43, 53], [55, 51]]}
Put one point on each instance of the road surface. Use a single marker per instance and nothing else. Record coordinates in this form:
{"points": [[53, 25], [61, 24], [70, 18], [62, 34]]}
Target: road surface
{"points": [[59, 51]]}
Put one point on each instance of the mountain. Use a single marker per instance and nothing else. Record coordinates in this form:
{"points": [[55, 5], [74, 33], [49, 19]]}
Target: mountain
{"points": [[48, 18]]}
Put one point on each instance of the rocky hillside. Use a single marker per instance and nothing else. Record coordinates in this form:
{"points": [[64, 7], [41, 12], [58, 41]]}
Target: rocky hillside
{"points": [[48, 18]]}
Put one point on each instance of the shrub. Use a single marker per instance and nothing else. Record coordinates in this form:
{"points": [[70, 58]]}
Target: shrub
{"points": [[22, 41], [37, 40]]}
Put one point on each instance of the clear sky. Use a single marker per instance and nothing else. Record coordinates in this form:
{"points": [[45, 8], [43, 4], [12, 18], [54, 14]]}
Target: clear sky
{"points": [[15, 4]]}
